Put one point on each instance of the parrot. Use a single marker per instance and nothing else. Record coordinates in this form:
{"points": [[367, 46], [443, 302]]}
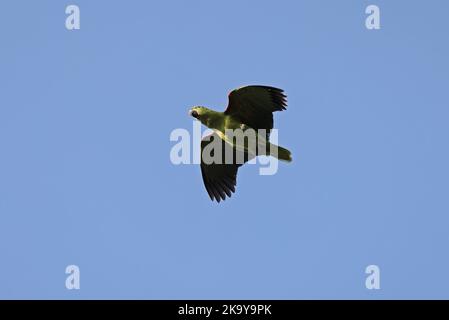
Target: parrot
{"points": [[249, 108]]}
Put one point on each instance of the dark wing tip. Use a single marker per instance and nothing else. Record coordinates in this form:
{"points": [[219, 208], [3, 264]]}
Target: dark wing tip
{"points": [[278, 98], [277, 95], [219, 178], [219, 190]]}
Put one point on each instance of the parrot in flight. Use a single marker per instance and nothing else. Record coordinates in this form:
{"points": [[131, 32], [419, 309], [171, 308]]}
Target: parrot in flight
{"points": [[249, 108]]}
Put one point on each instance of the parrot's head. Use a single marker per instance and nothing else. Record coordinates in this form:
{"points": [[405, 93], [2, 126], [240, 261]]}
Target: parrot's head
{"points": [[200, 113]]}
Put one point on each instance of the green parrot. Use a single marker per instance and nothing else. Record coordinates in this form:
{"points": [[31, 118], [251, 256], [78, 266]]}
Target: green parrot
{"points": [[249, 107]]}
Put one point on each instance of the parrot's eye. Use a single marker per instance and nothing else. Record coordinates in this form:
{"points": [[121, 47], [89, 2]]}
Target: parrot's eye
{"points": [[194, 114]]}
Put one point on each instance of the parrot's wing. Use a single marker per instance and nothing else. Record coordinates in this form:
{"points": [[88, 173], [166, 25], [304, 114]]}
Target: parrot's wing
{"points": [[219, 178], [254, 105]]}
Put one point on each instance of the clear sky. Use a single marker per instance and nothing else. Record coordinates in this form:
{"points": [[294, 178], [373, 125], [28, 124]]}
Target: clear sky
{"points": [[86, 177]]}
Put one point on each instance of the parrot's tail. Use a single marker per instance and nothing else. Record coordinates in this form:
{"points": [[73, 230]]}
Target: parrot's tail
{"points": [[282, 153]]}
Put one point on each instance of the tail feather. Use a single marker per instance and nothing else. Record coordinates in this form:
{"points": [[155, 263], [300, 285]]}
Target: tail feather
{"points": [[281, 154]]}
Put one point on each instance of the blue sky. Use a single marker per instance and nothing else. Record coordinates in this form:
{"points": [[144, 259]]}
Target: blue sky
{"points": [[86, 178]]}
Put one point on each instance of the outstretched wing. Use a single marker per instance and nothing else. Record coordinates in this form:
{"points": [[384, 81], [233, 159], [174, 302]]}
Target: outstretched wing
{"points": [[254, 105], [219, 178]]}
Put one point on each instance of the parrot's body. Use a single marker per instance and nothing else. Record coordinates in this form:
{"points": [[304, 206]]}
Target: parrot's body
{"points": [[250, 111]]}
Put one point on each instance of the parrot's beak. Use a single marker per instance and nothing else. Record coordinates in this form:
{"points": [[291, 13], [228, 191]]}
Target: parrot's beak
{"points": [[194, 114]]}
